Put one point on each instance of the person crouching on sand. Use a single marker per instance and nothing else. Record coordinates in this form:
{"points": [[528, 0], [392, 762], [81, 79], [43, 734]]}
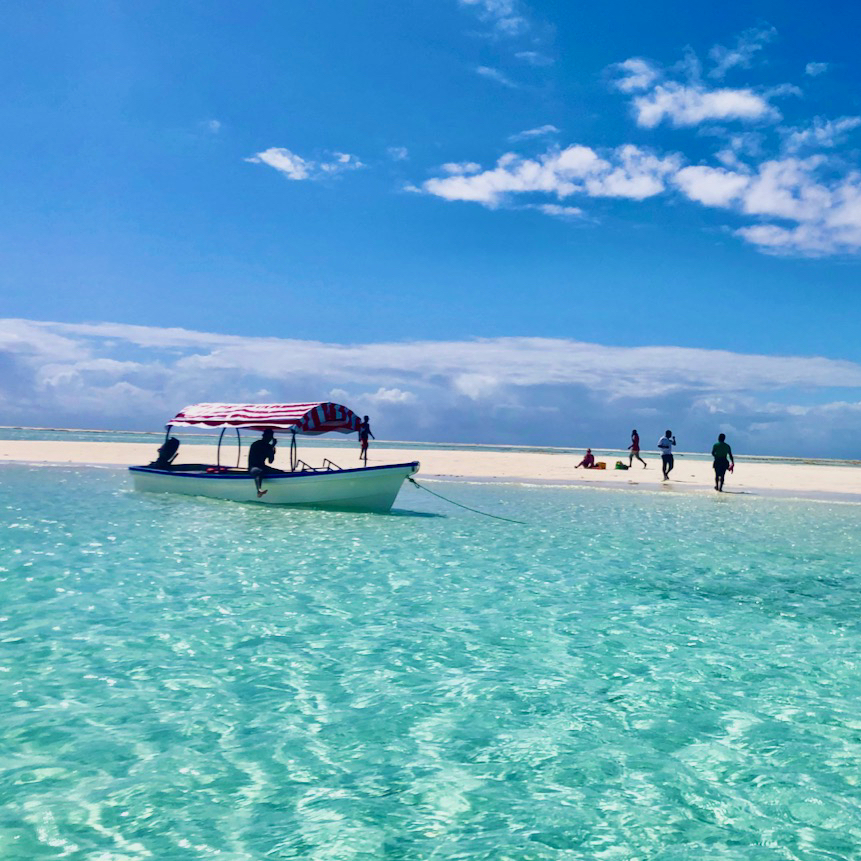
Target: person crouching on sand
{"points": [[722, 454], [634, 448], [588, 461]]}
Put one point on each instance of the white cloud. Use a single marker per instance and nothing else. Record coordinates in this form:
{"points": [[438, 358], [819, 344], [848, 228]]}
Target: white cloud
{"points": [[461, 167], [820, 134], [505, 16], [712, 186], [824, 212], [295, 167], [388, 396], [688, 105], [534, 58], [541, 131], [481, 390], [798, 188], [213, 126], [741, 54], [398, 153], [291, 165], [558, 211], [677, 95], [814, 69], [342, 161], [496, 75], [637, 75], [626, 172]]}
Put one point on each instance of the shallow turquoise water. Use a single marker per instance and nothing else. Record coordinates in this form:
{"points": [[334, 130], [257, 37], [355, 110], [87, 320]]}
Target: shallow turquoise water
{"points": [[631, 675]]}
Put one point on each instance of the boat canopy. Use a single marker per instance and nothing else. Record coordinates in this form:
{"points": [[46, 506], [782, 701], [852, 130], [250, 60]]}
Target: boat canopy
{"points": [[299, 418]]}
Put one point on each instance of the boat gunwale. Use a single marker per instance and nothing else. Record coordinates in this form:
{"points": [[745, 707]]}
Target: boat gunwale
{"points": [[244, 475]]}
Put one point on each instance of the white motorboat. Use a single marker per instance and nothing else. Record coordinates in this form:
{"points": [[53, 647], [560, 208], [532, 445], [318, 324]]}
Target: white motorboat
{"points": [[367, 488]]}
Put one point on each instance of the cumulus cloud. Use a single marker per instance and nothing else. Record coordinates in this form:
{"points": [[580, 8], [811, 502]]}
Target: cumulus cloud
{"points": [[803, 206], [627, 172], [712, 186], [793, 190], [480, 390], [637, 75], [820, 134], [690, 105], [814, 69], [816, 213], [679, 96], [398, 153], [295, 167], [462, 167]]}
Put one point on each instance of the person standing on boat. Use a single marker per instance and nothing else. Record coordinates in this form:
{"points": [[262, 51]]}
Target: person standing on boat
{"points": [[260, 455], [722, 454], [634, 448], [364, 433], [665, 444]]}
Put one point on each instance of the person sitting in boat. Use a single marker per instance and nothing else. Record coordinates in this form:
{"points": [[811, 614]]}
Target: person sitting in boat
{"points": [[166, 454], [260, 455], [588, 461]]}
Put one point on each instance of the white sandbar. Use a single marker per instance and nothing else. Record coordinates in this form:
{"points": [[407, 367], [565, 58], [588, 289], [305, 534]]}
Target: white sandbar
{"points": [[808, 480]]}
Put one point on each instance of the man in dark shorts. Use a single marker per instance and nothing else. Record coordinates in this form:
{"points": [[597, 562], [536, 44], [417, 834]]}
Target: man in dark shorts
{"points": [[635, 450], [260, 455], [665, 444], [364, 433], [722, 454]]}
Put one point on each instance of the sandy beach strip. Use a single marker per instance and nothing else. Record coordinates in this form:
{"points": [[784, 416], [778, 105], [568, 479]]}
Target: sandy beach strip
{"points": [[808, 480]]}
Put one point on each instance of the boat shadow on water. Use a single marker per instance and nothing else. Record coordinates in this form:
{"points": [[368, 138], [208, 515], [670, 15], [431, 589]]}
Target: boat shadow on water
{"points": [[406, 512]]}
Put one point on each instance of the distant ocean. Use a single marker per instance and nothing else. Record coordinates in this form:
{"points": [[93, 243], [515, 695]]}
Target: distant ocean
{"points": [[191, 437], [626, 676]]}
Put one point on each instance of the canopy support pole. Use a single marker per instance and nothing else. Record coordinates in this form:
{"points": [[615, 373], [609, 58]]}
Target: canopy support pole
{"points": [[220, 438], [166, 432], [238, 447], [294, 457]]}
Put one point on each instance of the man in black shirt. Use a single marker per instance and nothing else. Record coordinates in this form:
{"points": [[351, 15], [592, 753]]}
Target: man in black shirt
{"points": [[364, 433], [260, 455]]}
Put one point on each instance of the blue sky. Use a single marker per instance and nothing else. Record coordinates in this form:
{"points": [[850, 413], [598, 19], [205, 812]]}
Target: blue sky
{"points": [[564, 222]]}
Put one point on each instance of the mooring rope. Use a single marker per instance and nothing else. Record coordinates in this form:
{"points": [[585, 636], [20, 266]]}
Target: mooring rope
{"points": [[461, 505]]}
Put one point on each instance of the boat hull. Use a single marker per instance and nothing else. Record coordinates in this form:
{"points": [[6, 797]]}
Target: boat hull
{"points": [[371, 489]]}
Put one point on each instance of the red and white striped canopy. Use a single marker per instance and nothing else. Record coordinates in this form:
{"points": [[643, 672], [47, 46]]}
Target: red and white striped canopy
{"points": [[301, 418]]}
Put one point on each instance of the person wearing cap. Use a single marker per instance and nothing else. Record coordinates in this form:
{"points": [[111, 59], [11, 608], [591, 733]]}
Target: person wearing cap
{"points": [[588, 461], [260, 455]]}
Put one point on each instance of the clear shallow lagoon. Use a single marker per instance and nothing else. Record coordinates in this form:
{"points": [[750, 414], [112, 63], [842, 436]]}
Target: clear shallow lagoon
{"points": [[630, 675]]}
